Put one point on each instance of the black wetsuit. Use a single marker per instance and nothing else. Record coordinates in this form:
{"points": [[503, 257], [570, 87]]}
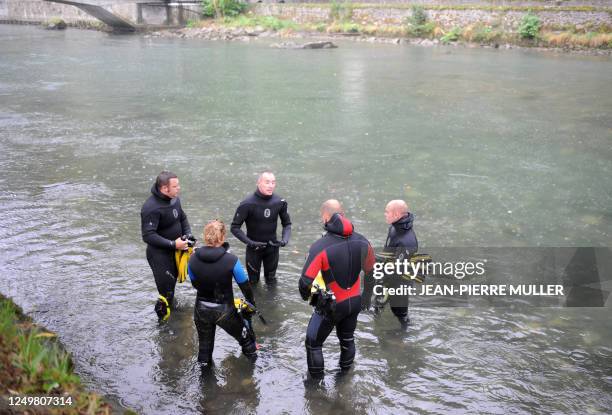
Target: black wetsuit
{"points": [[340, 255], [401, 240], [261, 213], [211, 271], [162, 221]]}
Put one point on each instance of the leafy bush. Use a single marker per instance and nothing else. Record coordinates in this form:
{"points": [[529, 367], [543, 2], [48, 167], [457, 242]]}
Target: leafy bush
{"points": [[222, 8], [452, 36], [424, 30], [529, 26], [417, 24], [341, 11], [418, 17]]}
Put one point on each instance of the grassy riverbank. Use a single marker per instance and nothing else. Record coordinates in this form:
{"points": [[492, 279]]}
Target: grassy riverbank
{"points": [[567, 37], [33, 363]]}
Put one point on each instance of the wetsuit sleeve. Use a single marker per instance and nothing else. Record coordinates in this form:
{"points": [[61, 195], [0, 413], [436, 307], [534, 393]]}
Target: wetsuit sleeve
{"points": [[242, 213], [315, 263], [370, 259], [185, 223], [192, 277], [286, 222], [243, 282], [150, 222], [239, 274], [368, 280]]}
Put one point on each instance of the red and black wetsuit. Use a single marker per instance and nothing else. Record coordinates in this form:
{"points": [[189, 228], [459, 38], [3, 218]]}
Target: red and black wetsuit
{"points": [[340, 255]]}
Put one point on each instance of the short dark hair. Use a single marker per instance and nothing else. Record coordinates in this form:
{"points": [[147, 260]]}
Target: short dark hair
{"points": [[163, 178]]}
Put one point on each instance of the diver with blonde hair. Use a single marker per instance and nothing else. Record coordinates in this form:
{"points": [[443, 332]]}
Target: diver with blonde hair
{"points": [[211, 270]]}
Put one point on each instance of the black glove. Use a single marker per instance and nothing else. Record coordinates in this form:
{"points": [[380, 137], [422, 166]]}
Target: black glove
{"points": [[277, 243], [191, 240], [247, 291], [257, 245], [283, 243]]}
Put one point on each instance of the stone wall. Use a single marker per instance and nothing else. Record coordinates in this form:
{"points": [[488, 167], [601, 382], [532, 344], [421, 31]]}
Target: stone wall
{"points": [[388, 14], [509, 3], [447, 13]]}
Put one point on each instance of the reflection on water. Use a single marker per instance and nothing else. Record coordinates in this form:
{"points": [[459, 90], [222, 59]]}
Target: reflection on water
{"points": [[490, 148]]}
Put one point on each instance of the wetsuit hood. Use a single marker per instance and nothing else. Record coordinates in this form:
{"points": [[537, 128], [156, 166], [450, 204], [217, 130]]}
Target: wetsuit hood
{"points": [[155, 191], [212, 254], [261, 195], [339, 225], [404, 223]]}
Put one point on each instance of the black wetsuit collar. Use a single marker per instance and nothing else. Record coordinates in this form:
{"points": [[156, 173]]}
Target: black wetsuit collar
{"points": [[339, 225], [405, 222], [212, 254], [159, 194], [261, 195]]}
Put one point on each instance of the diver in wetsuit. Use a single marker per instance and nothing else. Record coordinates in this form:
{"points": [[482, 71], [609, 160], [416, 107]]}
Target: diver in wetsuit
{"points": [[163, 224], [401, 239], [211, 269], [261, 211], [340, 256], [401, 243]]}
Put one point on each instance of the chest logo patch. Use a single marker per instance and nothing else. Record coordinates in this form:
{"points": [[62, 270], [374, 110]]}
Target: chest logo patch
{"points": [[175, 213], [267, 213]]}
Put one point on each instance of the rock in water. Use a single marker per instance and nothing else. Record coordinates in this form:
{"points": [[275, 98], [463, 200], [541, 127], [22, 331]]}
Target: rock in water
{"points": [[55, 24], [310, 45], [319, 45]]}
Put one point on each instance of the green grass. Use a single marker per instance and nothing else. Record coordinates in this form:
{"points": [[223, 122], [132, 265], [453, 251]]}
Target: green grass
{"points": [[267, 22], [32, 362]]}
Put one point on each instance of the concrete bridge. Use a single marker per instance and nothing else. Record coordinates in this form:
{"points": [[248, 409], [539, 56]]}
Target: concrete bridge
{"points": [[124, 15]]}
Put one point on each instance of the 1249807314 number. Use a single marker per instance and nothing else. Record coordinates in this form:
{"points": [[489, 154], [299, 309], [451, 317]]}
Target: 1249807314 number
{"points": [[40, 400]]}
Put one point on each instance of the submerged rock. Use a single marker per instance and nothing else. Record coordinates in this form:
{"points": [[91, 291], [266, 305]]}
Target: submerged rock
{"points": [[309, 45], [55, 24]]}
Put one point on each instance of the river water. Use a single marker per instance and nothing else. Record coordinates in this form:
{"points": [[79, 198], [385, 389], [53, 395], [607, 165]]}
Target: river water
{"points": [[490, 148]]}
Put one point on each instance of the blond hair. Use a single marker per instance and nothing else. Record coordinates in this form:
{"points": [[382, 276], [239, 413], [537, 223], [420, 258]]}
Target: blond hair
{"points": [[214, 233]]}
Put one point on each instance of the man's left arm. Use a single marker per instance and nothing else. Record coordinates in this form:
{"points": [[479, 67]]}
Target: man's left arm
{"points": [[185, 223], [316, 262], [286, 222], [368, 279]]}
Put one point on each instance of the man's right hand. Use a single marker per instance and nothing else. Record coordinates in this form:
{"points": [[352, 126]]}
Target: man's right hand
{"points": [[180, 244], [257, 245]]}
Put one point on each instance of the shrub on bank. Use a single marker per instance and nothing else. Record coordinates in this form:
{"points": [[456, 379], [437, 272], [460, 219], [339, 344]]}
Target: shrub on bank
{"points": [[529, 26], [222, 8], [417, 24], [451, 36], [341, 11]]}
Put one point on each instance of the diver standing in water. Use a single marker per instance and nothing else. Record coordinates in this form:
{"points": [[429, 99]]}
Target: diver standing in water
{"points": [[341, 255], [261, 211], [401, 239], [211, 270], [164, 227]]}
